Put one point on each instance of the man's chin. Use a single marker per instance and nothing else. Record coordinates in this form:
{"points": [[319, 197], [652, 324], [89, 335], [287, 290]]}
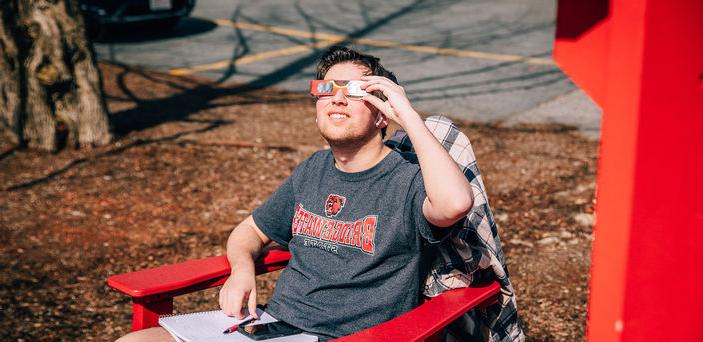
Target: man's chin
{"points": [[346, 141], [341, 142]]}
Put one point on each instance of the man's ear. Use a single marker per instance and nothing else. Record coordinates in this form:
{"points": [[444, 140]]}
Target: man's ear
{"points": [[381, 120]]}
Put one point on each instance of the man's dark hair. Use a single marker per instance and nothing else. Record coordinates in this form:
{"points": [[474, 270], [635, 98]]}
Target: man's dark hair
{"points": [[341, 54]]}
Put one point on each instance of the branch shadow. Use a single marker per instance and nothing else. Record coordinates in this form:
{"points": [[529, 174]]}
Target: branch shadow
{"points": [[117, 150], [240, 49], [552, 74], [147, 112], [9, 152]]}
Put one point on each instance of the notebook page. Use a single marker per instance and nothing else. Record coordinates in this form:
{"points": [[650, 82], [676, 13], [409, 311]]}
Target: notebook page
{"points": [[209, 325]]}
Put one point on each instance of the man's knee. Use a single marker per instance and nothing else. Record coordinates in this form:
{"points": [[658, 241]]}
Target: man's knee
{"points": [[151, 334]]}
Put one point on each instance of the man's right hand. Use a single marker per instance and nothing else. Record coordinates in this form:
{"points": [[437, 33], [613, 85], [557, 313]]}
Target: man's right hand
{"points": [[243, 247], [239, 288]]}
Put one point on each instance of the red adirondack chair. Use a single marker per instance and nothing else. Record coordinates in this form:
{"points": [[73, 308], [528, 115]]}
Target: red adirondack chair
{"points": [[153, 290]]}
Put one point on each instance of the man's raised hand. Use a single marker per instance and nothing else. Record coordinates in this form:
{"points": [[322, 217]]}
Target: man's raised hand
{"points": [[397, 108]]}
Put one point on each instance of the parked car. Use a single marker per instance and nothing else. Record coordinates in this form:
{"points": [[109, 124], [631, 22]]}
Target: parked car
{"points": [[99, 13]]}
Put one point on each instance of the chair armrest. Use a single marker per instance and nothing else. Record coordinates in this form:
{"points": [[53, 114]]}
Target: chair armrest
{"points": [[422, 322], [152, 290], [174, 278]]}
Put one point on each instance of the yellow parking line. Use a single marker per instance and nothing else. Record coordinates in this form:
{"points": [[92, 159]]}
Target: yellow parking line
{"points": [[386, 44], [455, 52], [326, 39], [252, 58]]}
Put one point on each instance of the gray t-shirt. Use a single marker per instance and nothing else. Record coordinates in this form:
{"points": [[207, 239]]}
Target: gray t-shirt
{"points": [[355, 241]]}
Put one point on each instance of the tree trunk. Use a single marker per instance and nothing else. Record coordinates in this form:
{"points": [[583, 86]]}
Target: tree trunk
{"points": [[50, 91]]}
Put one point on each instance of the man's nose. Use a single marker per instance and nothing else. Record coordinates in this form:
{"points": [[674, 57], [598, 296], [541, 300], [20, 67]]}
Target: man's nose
{"points": [[339, 98]]}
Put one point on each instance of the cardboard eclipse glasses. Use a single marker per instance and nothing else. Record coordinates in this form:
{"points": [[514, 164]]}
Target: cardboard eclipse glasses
{"points": [[350, 88]]}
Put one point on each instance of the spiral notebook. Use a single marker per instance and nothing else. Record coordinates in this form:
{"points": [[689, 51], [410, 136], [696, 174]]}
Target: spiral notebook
{"points": [[208, 326]]}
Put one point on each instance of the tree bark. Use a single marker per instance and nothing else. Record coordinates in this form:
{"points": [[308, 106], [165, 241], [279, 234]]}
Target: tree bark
{"points": [[50, 91], [9, 74]]}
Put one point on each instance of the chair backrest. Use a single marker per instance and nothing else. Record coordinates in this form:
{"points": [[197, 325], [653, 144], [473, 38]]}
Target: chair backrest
{"points": [[471, 253]]}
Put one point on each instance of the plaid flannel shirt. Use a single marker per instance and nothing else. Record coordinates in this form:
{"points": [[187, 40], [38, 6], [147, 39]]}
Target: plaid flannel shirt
{"points": [[471, 253]]}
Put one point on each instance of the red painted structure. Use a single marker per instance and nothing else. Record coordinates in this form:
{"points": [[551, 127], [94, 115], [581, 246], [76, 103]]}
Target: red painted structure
{"points": [[642, 62]]}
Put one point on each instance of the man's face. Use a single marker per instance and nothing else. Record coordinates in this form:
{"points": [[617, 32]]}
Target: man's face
{"points": [[343, 121]]}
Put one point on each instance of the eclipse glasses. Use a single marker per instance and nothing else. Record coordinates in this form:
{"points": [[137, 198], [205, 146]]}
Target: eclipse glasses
{"points": [[350, 88]]}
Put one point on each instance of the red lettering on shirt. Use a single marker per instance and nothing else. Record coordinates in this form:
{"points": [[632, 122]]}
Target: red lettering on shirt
{"points": [[308, 223], [339, 234], [369, 231], [328, 229], [317, 227], [359, 234], [356, 236], [296, 218], [335, 231]]}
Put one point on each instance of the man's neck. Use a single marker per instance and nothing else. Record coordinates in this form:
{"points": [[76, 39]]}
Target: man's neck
{"points": [[360, 158]]}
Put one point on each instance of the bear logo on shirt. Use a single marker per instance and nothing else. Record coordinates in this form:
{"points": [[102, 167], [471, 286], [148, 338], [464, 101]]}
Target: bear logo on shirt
{"points": [[334, 205]]}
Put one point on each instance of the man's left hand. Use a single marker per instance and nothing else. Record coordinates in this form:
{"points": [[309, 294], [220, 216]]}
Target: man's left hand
{"points": [[397, 107]]}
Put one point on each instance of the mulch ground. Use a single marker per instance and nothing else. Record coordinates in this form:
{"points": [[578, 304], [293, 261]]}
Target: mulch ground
{"points": [[192, 159]]}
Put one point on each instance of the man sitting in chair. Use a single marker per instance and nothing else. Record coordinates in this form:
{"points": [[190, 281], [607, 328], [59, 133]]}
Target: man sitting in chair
{"points": [[356, 217]]}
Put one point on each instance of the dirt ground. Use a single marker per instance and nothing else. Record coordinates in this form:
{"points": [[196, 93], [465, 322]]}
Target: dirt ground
{"points": [[191, 160]]}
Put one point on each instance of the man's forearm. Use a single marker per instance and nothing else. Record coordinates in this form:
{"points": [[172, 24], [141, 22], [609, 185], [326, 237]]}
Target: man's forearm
{"points": [[449, 194], [243, 248], [448, 191]]}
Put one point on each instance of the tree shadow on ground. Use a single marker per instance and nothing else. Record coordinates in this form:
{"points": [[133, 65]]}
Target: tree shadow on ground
{"points": [[113, 151], [187, 100], [146, 114]]}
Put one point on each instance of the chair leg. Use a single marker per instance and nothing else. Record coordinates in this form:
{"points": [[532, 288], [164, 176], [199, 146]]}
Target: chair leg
{"points": [[146, 314]]}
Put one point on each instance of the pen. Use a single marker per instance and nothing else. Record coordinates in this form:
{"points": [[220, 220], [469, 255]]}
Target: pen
{"points": [[236, 326]]}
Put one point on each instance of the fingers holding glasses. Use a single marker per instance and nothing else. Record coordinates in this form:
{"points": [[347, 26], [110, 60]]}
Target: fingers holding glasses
{"points": [[384, 106], [392, 91], [397, 107]]}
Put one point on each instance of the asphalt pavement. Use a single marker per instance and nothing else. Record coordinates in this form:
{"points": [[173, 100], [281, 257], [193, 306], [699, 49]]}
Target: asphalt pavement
{"points": [[477, 60]]}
